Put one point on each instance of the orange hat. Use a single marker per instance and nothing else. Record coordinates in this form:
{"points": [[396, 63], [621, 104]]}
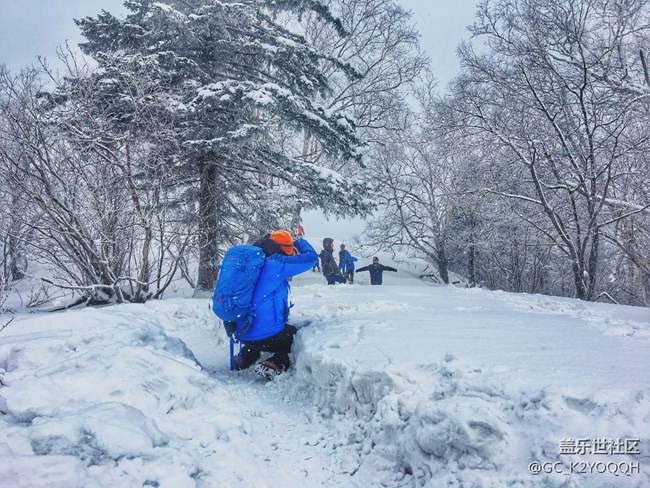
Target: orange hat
{"points": [[284, 239]]}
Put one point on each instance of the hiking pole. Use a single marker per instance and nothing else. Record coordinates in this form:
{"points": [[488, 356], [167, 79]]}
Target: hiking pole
{"points": [[234, 341]]}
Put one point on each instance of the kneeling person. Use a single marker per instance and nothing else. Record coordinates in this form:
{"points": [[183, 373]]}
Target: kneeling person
{"points": [[269, 331]]}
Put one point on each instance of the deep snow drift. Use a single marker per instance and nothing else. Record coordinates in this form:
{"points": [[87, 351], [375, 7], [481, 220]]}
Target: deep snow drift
{"points": [[407, 384]]}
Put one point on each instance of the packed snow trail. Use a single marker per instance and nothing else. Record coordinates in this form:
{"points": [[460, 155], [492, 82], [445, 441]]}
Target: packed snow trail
{"points": [[289, 436]]}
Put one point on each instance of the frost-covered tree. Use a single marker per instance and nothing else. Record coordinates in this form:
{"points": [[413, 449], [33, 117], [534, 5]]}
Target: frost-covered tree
{"points": [[15, 221], [119, 123], [545, 95], [89, 181], [381, 43], [75, 205], [414, 179], [13, 256], [233, 74]]}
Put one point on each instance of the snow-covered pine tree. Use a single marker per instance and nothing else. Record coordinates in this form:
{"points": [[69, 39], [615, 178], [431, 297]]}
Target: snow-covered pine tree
{"points": [[232, 74]]}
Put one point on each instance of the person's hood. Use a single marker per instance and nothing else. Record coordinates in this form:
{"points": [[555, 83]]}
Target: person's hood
{"points": [[327, 243]]}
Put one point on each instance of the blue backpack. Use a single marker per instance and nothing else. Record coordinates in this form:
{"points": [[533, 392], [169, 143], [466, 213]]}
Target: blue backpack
{"points": [[233, 292]]}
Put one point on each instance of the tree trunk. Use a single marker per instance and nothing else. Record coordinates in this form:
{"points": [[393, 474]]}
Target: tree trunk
{"points": [[16, 259], [593, 266], [442, 262], [471, 265], [207, 230], [579, 279], [142, 289], [16, 246]]}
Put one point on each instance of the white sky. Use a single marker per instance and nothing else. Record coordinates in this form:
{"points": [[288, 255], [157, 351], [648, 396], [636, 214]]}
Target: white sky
{"points": [[29, 28]]}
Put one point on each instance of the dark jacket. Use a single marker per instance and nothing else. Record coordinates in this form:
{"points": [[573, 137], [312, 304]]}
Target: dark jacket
{"points": [[271, 295], [376, 272], [327, 261], [342, 258]]}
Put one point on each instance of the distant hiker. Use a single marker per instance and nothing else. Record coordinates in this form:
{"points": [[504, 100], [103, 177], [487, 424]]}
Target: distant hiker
{"points": [[376, 271], [300, 232], [347, 266], [327, 261], [342, 252], [269, 330]]}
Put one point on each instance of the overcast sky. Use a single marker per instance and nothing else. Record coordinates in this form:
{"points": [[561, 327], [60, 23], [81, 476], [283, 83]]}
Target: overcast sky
{"points": [[29, 28]]}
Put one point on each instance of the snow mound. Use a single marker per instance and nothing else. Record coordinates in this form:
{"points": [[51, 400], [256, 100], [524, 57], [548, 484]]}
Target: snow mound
{"points": [[102, 398]]}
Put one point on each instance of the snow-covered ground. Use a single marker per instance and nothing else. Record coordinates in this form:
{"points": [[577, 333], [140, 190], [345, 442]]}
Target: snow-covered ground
{"points": [[407, 384]]}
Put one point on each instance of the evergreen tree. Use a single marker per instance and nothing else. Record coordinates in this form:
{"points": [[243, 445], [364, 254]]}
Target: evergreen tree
{"points": [[232, 75]]}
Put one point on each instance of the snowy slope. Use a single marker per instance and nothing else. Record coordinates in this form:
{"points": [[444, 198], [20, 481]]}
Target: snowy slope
{"points": [[407, 384]]}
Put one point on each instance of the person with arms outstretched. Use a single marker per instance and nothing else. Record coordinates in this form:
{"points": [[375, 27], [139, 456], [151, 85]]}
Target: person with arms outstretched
{"points": [[376, 271]]}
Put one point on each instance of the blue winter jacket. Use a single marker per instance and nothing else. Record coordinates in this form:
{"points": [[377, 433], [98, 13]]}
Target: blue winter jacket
{"points": [[347, 263], [271, 295]]}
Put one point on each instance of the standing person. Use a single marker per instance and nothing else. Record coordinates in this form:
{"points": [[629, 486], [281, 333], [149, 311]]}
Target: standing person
{"points": [[269, 330], [342, 252], [300, 232], [347, 266], [327, 261], [376, 271]]}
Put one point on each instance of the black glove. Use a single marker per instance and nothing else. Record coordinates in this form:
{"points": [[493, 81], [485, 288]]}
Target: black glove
{"points": [[230, 327]]}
